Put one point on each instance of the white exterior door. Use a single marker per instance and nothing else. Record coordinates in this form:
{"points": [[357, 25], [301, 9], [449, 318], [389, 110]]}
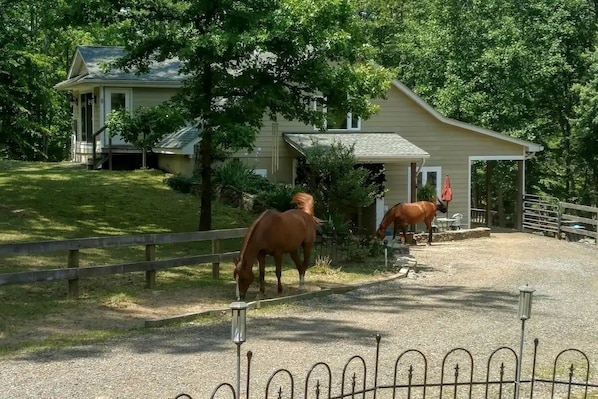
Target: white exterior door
{"points": [[116, 99]]}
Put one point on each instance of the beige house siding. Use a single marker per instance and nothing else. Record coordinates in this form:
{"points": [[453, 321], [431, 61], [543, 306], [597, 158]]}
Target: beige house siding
{"points": [[450, 148], [176, 164], [149, 97], [450, 144]]}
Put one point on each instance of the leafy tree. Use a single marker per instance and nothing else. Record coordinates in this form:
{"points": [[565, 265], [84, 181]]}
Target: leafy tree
{"points": [[145, 126], [339, 187], [34, 123], [509, 66], [585, 142], [244, 60]]}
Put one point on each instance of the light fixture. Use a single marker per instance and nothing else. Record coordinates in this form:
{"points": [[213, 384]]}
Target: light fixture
{"points": [[525, 312], [238, 334], [239, 312], [74, 101], [525, 301]]}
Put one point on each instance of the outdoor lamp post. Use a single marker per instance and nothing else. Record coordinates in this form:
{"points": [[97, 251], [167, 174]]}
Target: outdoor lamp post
{"points": [[525, 309], [239, 327]]}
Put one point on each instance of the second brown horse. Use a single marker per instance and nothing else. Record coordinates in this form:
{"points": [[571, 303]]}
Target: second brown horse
{"points": [[276, 233], [410, 213]]}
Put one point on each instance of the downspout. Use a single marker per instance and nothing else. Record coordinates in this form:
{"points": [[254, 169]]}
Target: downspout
{"points": [[420, 168]]}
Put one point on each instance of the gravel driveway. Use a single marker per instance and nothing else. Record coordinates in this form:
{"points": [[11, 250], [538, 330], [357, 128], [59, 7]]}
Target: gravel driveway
{"points": [[463, 294]]}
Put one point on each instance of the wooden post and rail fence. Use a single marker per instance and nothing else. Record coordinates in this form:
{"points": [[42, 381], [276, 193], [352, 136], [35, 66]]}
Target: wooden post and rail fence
{"points": [[539, 214], [561, 219], [73, 272]]}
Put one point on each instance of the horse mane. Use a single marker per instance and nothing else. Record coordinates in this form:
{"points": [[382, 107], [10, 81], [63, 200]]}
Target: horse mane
{"points": [[388, 212], [250, 233], [305, 202]]}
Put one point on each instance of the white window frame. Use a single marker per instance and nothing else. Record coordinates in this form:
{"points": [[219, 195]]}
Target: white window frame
{"points": [[424, 172], [349, 121]]}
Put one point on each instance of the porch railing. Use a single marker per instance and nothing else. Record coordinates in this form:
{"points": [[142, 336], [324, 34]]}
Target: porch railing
{"points": [[94, 161]]}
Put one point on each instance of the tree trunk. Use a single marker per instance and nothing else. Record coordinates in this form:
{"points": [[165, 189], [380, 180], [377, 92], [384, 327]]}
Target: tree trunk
{"points": [[502, 222], [205, 154]]}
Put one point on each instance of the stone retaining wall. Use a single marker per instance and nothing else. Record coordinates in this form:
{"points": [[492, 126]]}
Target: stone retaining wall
{"points": [[451, 235]]}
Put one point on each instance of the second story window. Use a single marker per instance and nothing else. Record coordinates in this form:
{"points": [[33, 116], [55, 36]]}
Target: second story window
{"points": [[336, 119]]}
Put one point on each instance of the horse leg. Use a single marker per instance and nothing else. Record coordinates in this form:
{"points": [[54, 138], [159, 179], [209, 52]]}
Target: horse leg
{"points": [[396, 228], [301, 266], [429, 226], [278, 262], [262, 262], [404, 230]]}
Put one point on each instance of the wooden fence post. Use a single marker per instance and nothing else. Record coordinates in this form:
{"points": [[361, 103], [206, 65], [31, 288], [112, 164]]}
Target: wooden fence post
{"points": [[216, 265], [150, 275], [73, 262]]}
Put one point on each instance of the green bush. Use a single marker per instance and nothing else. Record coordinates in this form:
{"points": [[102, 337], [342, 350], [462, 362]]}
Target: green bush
{"points": [[426, 193], [278, 197], [180, 183], [335, 225], [233, 173], [257, 184], [239, 176]]}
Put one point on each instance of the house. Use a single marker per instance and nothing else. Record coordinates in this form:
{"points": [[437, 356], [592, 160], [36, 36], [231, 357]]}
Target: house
{"points": [[415, 143]]}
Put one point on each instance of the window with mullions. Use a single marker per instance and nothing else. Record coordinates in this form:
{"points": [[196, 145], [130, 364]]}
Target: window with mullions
{"points": [[337, 119], [429, 175]]}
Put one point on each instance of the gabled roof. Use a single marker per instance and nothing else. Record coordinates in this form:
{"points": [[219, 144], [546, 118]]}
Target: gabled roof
{"points": [[530, 147], [369, 147], [89, 61], [89, 67]]}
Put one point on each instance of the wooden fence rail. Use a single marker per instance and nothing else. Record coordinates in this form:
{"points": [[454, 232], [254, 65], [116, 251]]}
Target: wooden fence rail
{"points": [[578, 220], [548, 215], [72, 273]]}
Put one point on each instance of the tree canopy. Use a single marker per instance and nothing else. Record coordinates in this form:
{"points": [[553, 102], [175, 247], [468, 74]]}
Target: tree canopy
{"points": [[246, 59], [527, 69]]}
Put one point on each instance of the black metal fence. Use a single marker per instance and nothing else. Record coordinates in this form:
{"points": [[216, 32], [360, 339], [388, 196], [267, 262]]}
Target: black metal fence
{"points": [[412, 377], [353, 246]]}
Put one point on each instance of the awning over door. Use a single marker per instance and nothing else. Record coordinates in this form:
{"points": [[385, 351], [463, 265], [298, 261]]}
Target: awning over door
{"points": [[369, 147]]}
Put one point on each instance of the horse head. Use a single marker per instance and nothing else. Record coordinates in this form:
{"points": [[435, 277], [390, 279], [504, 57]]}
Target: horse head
{"points": [[381, 232], [244, 277], [441, 206]]}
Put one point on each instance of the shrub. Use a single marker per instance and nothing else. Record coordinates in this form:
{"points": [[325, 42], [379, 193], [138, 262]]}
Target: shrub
{"points": [[426, 193], [335, 225], [257, 184], [180, 183], [278, 197], [241, 177], [233, 174], [338, 185]]}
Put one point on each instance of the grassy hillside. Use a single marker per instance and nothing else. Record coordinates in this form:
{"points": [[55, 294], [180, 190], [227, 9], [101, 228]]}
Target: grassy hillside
{"points": [[42, 201]]}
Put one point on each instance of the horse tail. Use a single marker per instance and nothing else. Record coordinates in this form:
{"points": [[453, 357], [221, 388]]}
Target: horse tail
{"points": [[305, 202]]}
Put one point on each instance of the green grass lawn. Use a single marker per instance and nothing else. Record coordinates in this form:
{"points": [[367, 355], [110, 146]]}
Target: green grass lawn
{"points": [[55, 201]]}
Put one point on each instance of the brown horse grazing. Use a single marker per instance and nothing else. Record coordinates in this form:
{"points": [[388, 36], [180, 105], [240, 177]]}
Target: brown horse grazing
{"points": [[276, 233], [408, 213]]}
